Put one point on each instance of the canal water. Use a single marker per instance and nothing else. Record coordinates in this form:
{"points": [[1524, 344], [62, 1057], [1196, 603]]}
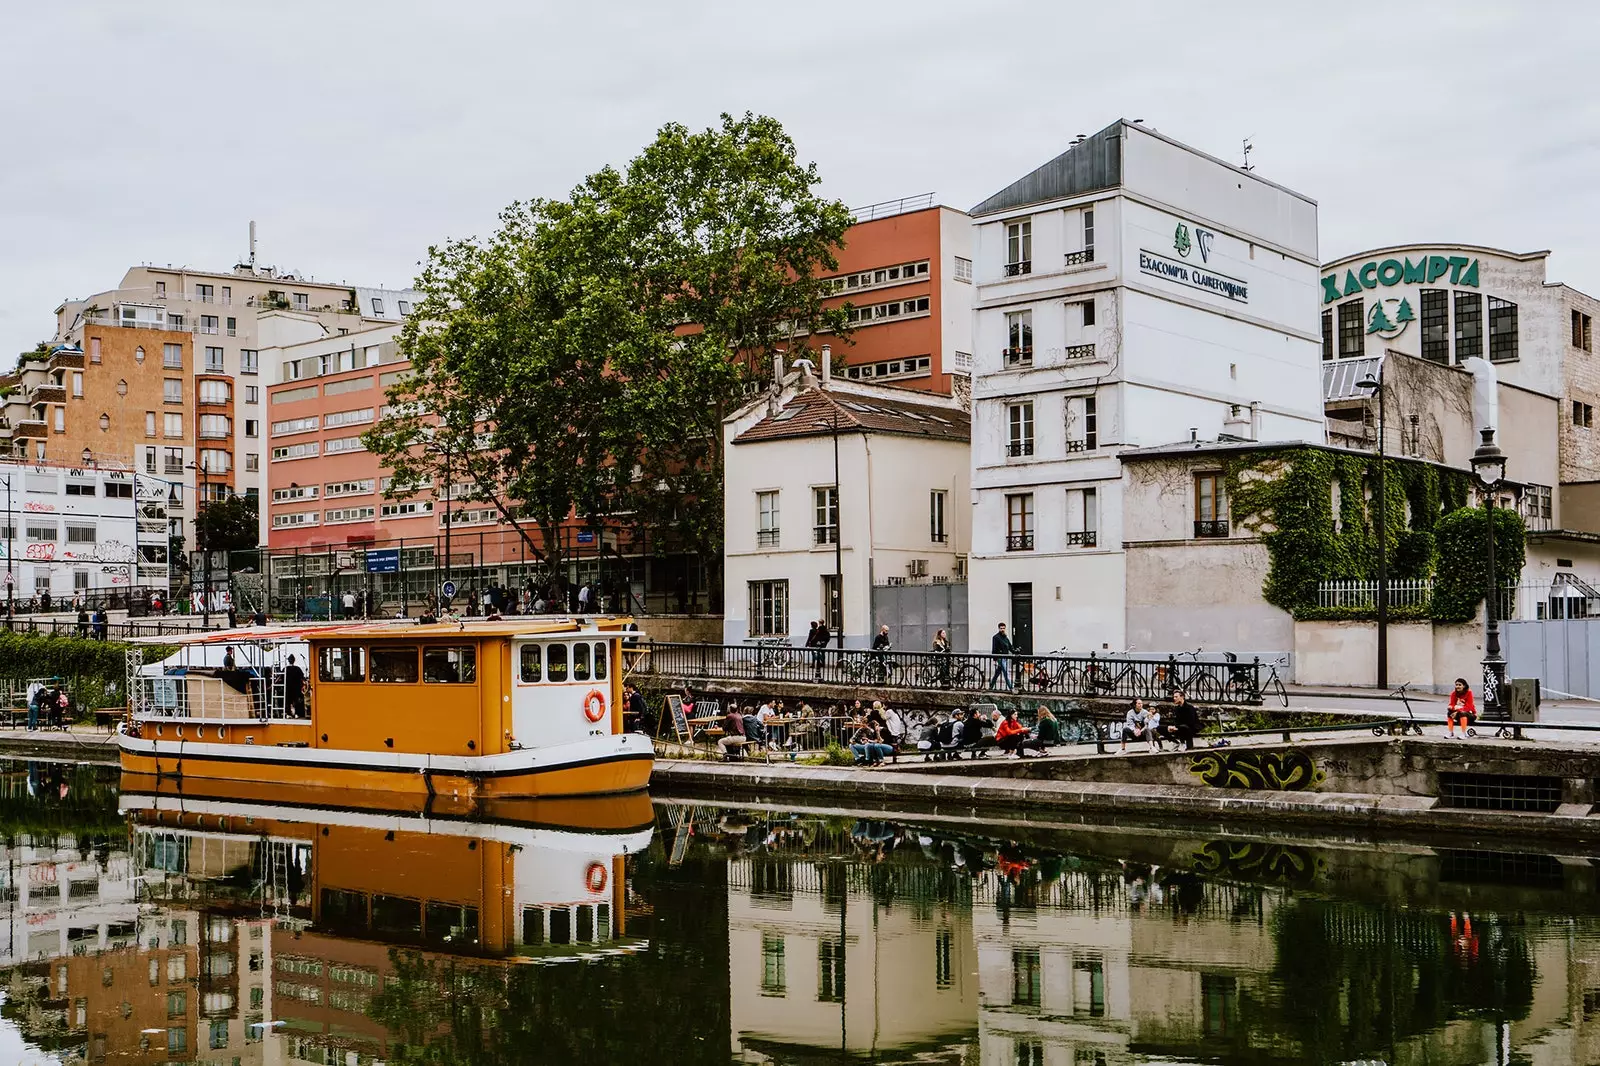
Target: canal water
{"points": [[141, 925]]}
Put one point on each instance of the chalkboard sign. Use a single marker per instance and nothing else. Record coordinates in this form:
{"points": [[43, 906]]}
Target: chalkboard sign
{"points": [[680, 720]]}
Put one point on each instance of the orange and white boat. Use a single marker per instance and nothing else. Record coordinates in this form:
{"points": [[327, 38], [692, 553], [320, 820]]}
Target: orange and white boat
{"points": [[471, 712]]}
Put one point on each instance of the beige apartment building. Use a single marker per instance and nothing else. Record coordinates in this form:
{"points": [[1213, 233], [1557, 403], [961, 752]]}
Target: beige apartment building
{"points": [[207, 328]]}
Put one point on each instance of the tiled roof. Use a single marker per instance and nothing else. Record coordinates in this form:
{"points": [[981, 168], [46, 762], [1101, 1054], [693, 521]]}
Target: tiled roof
{"points": [[812, 412]]}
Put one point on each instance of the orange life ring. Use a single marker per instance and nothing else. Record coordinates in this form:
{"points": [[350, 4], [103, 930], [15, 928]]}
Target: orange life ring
{"points": [[594, 705], [595, 877]]}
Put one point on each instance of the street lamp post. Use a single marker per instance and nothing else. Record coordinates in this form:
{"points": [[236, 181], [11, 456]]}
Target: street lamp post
{"points": [[11, 578], [205, 542], [1489, 466], [1383, 533]]}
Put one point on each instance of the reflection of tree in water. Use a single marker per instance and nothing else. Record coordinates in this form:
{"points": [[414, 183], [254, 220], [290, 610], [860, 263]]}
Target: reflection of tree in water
{"points": [[1353, 981]]}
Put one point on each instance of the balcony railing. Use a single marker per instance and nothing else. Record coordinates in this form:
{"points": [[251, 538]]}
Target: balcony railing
{"points": [[1021, 266], [1211, 527], [48, 394], [1083, 538], [1077, 446], [1079, 258], [767, 538], [1019, 542], [30, 427], [1018, 356], [826, 534], [1078, 351], [71, 360], [1019, 447]]}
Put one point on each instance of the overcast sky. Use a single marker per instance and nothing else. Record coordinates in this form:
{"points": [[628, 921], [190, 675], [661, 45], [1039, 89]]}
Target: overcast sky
{"points": [[356, 133]]}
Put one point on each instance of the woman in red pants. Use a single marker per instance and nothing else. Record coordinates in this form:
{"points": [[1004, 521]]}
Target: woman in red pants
{"points": [[1461, 710]]}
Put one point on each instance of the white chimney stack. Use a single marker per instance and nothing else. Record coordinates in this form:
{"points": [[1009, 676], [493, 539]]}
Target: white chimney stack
{"points": [[827, 363], [252, 243]]}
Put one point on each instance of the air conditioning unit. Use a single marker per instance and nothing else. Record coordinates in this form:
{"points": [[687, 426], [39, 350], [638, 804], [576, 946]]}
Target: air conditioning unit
{"points": [[961, 568], [917, 568]]}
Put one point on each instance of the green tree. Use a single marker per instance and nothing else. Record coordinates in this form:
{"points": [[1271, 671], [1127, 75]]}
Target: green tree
{"points": [[229, 524], [1462, 537], [1404, 313], [1378, 322]]}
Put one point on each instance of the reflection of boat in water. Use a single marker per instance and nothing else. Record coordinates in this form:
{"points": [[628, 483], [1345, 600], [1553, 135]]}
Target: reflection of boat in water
{"points": [[345, 884], [489, 710]]}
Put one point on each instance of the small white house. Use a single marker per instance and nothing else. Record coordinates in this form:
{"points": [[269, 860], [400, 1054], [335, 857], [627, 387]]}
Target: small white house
{"points": [[845, 503]]}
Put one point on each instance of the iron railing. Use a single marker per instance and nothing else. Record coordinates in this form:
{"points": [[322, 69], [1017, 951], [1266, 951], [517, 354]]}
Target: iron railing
{"points": [[1021, 266], [1210, 527], [1109, 677], [70, 627], [1019, 542], [1018, 356], [1073, 259]]}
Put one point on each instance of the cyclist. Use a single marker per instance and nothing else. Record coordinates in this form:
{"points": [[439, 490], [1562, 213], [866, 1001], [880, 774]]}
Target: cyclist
{"points": [[1461, 710]]}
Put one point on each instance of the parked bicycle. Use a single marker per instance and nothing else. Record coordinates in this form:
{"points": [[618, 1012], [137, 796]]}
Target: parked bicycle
{"points": [[1410, 725], [774, 653], [1245, 680], [1096, 679], [1199, 681]]}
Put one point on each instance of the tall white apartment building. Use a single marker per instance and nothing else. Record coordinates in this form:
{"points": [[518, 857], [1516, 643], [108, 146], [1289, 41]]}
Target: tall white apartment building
{"points": [[1130, 292]]}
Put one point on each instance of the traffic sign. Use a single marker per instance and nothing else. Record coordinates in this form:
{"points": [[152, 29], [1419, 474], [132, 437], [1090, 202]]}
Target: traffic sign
{"points": [[10, 580], [449, 590], [383, 560]]}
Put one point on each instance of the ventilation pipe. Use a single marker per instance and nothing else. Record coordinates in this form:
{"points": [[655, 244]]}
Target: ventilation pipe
{"points": [[827, 364], [1485, 395]]}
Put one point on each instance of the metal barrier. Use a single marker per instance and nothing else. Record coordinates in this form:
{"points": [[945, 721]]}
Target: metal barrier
{"points": [[69, 627], [1106, 677]]}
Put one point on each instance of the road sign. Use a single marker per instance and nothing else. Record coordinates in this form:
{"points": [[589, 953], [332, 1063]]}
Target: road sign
{"points": [[449, 590], [586, 536], [383, 560], [10, 580]]}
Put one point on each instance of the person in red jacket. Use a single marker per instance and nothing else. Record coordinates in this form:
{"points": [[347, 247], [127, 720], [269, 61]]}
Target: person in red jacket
{"points": [[1461, 711], [1010, 733]]}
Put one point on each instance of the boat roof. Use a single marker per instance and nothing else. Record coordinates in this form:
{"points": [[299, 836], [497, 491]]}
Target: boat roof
{"points": [[397, 628]]}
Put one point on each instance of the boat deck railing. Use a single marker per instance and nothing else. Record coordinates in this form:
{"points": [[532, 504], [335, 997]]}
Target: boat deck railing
{"points": [[239, 697]]}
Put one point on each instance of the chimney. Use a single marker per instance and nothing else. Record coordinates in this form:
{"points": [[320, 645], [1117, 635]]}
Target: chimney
{"points": [[827, 364], [777, 367], [252, 243], [1238, 425], [1255, 419]]}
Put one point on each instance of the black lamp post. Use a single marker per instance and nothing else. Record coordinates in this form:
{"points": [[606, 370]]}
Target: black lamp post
{"points": [[205, 542], [1383, 534], [1489, 466]]}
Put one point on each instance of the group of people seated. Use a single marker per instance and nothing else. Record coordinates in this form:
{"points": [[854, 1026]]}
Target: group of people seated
{"points": [[977, 733], [1179, 726]]}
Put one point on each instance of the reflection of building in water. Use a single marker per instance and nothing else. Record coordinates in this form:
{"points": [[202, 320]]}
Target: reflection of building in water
{"points": [[63, 896], [836, 955]]}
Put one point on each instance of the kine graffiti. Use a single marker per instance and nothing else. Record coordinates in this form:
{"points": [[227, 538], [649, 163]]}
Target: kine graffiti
{"points": [[1255, 860], [1291, 770]]}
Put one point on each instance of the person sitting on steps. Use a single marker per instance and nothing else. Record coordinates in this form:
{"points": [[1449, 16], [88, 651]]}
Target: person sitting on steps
{"points": [[1461, 711], [1010, 734], [1136, 726]]}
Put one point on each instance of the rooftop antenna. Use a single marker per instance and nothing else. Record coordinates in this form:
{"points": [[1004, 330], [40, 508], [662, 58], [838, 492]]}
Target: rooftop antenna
{"points": [[252, 244], [1247, 148]]}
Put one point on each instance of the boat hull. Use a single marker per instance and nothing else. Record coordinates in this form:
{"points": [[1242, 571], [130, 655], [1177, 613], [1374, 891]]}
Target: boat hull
{"points": [[606, 765]]}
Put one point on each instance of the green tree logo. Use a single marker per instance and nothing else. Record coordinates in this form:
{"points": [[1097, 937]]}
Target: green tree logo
{"points": [[1180, 240], [1377, 321], [1405, 314]]}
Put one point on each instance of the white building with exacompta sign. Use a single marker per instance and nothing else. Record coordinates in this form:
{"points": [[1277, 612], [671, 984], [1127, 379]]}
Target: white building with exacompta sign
{"points": [[1130, 292]]}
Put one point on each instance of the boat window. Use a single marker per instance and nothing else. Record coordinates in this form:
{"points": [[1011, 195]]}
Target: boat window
{"points": [[532, 663], [580, 662], [450, 666], [556, 662], [342, 664], [394, 666], [599, 662]]}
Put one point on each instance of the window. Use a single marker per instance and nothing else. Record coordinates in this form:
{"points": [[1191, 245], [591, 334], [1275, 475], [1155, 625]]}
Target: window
{"points": [[1436, 325], [880, 277], [1536, 509], [216, 461], [1352, 335], [294, 425], [1019, 338], [333, 388], [213, 392], [294, 451], [1582, 331], [38, 531], [774, 978], [893, 309], [1019, 247], [161, 288], [172, 390], [580, 662], [909, 367], [963, 269], [252, 461], [342, 664], [394, 666], [936, 528], [150, 428], [119, 490], [1019, 428], [1089, 986], [767, 529], [203, 293], [830, 971], [1026, 972], [214, 362], [177, 1037], [347, 515], [769, 608], [1502, 330], [1019, 522], [532, 663], [150, 453], [252, 394], [830, 602], [172, 356], [294, 492], [297, 518], [302, 301], [172, 461], [80, 534], [1083, 518], [456, 665], [377, 306], [1582, 414], [1086, 308], [219, 1033], [249, 361], [208, 324], [825, 504], [252, 427], [77, 384], [61, 419], [1327, 334], [172, 424], [1210, 505], [1083, 424], [406, 509], [214, 427], [81, 488], [233, 327], [94, 349], [349, 488], [337, 445], [348, 418], [1469, 325], [556, 662], [1088, 234], [404, 306]]}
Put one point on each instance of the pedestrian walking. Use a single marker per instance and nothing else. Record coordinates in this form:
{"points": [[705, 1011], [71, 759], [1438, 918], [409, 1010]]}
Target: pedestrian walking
{"points": [[1000, 646]]}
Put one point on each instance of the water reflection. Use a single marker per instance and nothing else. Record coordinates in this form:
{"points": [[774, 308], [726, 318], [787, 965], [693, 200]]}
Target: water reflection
{"points": [[200, 929]]}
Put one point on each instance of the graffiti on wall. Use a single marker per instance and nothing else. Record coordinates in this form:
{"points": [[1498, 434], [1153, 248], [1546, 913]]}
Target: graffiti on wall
{"points": [[1289, 770], [1257, 860]]}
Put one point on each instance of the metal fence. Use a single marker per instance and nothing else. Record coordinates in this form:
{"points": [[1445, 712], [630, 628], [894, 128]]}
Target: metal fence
{"points": [[1204, 680], [145, 627], [1408, 592]]}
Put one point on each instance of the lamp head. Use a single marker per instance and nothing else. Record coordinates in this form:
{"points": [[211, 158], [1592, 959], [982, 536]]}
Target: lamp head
{"points": [[1370, 383], [1488, 461]]}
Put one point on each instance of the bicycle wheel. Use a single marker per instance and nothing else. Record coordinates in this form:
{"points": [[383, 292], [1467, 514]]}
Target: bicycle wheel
{"points": [[966, 676], [1204, 688], [782, 658], [1278, 690]]}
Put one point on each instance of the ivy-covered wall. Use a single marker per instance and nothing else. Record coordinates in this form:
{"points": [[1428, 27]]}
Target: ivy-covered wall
{"points": [[1315, 509]]}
